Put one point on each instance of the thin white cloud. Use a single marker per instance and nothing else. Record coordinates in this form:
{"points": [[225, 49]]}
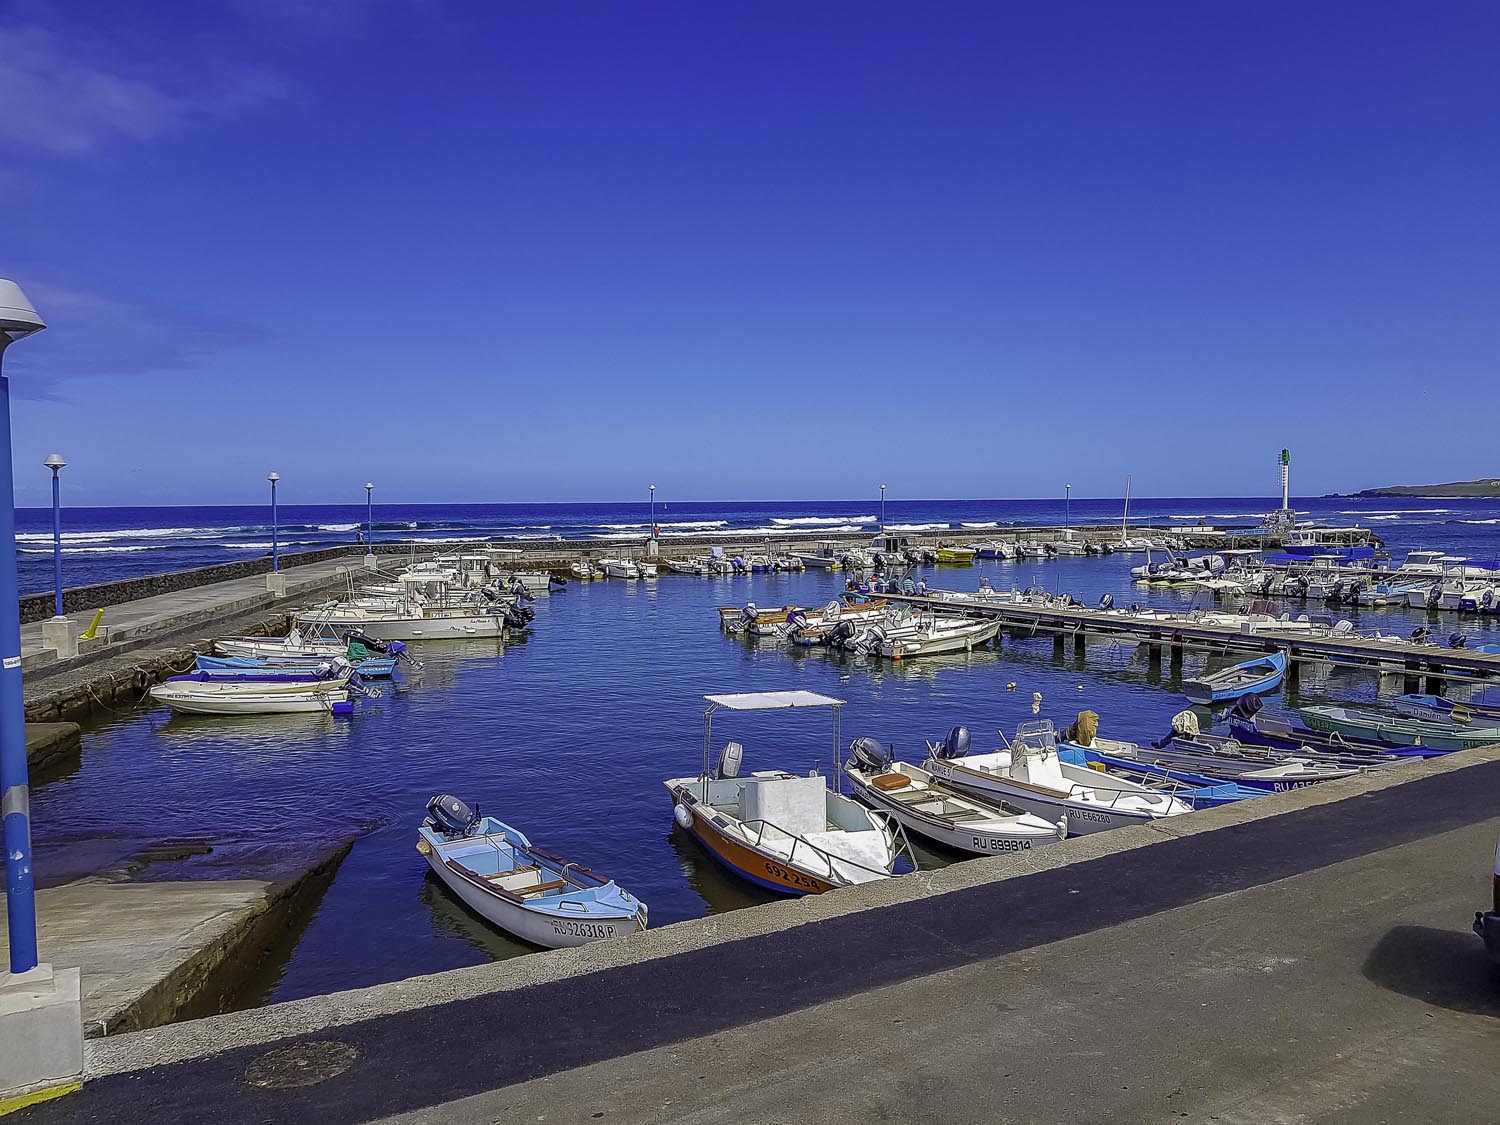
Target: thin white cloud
{"points": [[90, 335], [63, 95]]}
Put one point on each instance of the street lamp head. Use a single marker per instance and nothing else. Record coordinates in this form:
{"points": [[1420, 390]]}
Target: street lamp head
{"points": [[273, 476], [652, 487], [54, 461], [17, 318], [369, 487]]}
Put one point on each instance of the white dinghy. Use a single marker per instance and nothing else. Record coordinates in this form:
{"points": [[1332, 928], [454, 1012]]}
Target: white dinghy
{"points": [[513, 884], [924, 805], [1030, 774]]}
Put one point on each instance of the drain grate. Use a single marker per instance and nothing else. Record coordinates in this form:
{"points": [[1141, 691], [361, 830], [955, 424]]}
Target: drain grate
{"points": [[304, 1064]]}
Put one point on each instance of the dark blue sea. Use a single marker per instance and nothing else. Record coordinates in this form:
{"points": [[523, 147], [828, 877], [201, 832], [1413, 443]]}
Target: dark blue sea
{"points": [[103, 544], [570, 733]]}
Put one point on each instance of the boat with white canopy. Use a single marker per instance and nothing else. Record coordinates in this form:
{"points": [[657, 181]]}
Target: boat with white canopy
{"points": [[783, 831]]}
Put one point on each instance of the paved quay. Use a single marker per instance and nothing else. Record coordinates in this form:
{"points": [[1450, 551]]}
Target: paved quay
{"points": [[1303, 956]]}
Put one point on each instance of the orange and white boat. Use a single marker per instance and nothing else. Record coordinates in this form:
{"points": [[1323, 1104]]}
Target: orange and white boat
{"points": [[783, 831]]}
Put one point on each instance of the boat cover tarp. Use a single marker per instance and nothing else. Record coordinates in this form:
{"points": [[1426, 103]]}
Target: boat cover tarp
{"points": [[1084, 729]]}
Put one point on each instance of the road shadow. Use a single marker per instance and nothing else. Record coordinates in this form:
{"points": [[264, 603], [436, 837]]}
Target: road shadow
{"points": [[1447, 968]]}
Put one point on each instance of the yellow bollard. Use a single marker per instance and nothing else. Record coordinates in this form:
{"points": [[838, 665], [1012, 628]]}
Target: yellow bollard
{"points": [[88, 634]]}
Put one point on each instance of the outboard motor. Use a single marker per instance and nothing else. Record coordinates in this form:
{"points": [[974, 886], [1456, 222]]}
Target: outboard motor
{"points": [[1458, 640], [452, 817], [730, 759], [955, 745], [869, 754], [357, 636], [841, 634], [1247, 706], [1421, 635], [748, 614], [796, 620], [1107, 602]]}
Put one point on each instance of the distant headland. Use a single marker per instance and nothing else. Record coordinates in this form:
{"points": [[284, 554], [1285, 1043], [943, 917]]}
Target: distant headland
{"points": [[1455, 490]]}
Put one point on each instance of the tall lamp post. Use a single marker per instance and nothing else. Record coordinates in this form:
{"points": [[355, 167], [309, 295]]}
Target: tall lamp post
{"points": [[652, 488], [273, 476], [882, 507], [369, 514], [17, 320], [1068, 511], [56, 463]]}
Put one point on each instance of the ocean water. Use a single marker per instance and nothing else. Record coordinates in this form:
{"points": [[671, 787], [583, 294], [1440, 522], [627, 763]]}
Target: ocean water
{"points": [[570, 733], [104, 544]]}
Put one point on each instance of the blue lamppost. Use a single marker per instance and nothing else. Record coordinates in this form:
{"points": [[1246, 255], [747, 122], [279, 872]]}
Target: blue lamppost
{"points": [[1068, 510], [273, 477], [56, 463], [17, 320], [369, 517], [882, 507], [652, 487]]}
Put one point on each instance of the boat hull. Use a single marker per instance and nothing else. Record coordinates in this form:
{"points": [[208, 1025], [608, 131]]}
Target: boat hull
{"points": [[1083, 818], [976, 841], [279, 703]]}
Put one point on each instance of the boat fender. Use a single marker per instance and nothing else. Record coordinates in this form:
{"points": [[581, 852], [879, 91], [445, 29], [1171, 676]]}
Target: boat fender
{"points": [[682, 815]]}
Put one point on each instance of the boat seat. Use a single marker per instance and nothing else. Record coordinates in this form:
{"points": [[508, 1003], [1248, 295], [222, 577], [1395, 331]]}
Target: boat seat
{"points": [[499, 875], [542, 888]]}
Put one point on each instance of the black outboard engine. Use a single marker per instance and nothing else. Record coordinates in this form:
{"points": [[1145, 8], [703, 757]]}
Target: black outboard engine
{"points": [[1107, 602], [518, 617], [1458, 640], [869, 754], [452, 817], [956, 745], [1247, 706], [357, 636], [1421, 635], [839, 638]]}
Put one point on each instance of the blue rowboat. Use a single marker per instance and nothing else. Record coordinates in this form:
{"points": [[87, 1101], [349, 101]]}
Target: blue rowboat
{"points": [[371, 667], [1262, 674], [1435, 733], [1196, 790], [513, 884], [1486, 706]]}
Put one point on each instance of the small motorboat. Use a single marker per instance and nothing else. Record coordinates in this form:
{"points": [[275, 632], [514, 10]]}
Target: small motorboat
{"points": [[932, 635], [1031, 774], [295, 643], [583, 570], [1485, 706], [194, 697], [1262, 674], [956, 556], [785, 832], [620, 568], [1196, 790], [1435, 733], [922, 804], [510, 883]]}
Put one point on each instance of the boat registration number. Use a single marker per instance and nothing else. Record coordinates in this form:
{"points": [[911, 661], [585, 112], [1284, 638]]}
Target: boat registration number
{"points": [[582, 929], [795, 878], [1084, 814], [980, 843]]}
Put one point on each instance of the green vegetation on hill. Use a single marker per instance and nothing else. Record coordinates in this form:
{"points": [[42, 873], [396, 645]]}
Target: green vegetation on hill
{"points": [[1478, 488]]}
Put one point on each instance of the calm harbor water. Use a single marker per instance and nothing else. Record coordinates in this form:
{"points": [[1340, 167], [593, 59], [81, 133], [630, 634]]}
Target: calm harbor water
{"points": [[569, 734]]}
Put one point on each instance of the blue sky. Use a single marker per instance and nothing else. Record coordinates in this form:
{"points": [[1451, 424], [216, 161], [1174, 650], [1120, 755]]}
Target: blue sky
{"points": [[511, 252]]}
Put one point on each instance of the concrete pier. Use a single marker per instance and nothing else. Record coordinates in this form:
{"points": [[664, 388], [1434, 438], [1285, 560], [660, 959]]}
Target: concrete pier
{"points": [[150, 951], [1302, 956], [48, 744]]}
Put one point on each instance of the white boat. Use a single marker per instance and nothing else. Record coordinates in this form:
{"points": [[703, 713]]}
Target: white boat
{"points": [[698, 564], [923, 804], [1030, 774], [295, 643], [619, 568], [228, 698], [931, 635], [505, 879], [583, 570], [410, 621], [826, 557], [645, 568], [782, 831], [535, 581]]}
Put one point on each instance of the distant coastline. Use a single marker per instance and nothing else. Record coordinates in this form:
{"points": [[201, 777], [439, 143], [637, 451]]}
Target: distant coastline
{"points": [[1457, 490]]}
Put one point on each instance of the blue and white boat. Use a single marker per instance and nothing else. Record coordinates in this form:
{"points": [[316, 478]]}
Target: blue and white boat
{"points": [[370, 667], [503, 877], [1262, 674], [1198, 791], [1485, 705]]}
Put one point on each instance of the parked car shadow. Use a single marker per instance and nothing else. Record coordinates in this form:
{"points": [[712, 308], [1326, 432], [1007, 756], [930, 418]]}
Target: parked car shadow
{"points": [[1448, 968]]}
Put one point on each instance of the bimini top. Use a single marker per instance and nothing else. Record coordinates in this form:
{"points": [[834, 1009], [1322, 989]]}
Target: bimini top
{"points": [[772, 700]]}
